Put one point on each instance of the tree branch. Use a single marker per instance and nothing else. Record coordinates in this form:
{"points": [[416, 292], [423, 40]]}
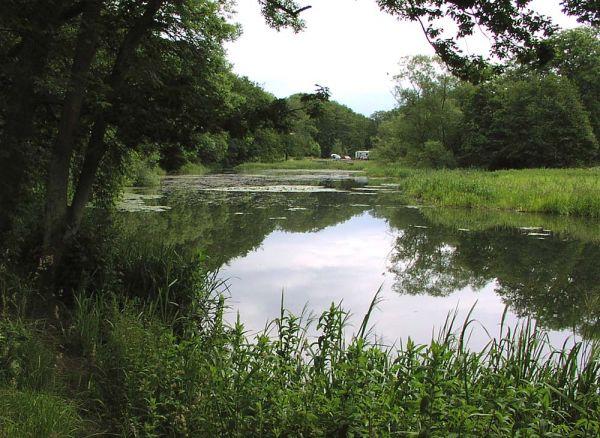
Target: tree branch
{"points": [[294, 13]]}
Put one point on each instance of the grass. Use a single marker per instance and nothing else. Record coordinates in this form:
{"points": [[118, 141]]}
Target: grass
{"points": [[304, 164], [150, 369], [192, 169], [148, 354], [569, 192], [31, 414]]}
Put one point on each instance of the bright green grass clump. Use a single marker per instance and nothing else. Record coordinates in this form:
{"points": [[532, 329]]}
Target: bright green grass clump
{"points": [[572, 192]]}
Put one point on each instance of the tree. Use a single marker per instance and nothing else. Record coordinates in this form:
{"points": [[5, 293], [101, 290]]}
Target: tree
{"points": [[337, 124], [576, 56], [425, 130], [98, 44], [528, 121], [86, 81]]}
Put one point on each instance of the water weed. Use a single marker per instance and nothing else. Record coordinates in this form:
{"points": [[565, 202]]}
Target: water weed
{"points": [[570, 192]]}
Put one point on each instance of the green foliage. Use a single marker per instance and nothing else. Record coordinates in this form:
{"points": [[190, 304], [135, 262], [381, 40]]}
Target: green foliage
{"points": [[577, 58], [26, 362], [143, 171], [543, 117], [341, 130], [433, 154], [212, 147], [570, 192], [32, 414], [533, 121], [426, 128], [150, 380], [192, 169]]}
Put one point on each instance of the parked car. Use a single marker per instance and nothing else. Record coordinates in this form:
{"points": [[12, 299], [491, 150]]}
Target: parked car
{"points": [[346, 157], [361, 155], [336, 157]]}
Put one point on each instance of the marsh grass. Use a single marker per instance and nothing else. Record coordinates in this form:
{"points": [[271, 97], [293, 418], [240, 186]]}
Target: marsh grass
{"points": [[569, 192], [150, 374]]}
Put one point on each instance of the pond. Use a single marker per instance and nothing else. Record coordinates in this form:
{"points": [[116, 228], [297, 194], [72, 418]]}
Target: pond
{"points": [[322, 237]]}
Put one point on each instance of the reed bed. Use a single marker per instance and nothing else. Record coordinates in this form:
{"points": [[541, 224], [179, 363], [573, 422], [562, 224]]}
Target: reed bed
{"points": [[147, 368], [569, 192]]}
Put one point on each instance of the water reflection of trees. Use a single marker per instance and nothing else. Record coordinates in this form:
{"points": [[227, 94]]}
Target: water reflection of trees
{"points": [[224, 226], [556, 280]]}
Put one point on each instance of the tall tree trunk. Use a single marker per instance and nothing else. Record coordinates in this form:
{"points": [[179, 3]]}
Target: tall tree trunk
{"points": [[18, 131], [93, 157], [30, 57], [60, 160], [96, 147]]}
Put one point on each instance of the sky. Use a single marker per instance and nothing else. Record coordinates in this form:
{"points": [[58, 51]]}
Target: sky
{"points": [[348, 45]]}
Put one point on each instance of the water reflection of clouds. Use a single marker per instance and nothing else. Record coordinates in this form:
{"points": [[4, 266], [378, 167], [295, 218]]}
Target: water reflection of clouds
{"points": [[347, 263]]}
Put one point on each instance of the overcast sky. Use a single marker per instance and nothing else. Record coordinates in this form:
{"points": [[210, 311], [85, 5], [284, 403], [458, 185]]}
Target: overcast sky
{"points": [[348, 45]]}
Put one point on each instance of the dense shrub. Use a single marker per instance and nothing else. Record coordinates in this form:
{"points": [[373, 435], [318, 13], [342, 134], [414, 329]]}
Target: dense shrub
{"points": [[530, 121]]}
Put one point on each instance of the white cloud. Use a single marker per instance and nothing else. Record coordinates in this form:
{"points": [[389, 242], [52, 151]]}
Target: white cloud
{"points": [[348, 45]]}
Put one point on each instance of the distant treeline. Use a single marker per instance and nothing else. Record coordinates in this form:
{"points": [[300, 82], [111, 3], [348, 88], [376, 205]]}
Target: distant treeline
{"points": [[542, 115], [532, 115], [257, 126]]}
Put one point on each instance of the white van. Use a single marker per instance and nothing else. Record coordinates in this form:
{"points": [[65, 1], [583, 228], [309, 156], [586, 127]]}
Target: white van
{"points": [[361, 155]]}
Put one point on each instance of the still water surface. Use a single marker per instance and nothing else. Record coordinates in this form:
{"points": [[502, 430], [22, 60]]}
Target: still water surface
{"points": [[320, 238]]}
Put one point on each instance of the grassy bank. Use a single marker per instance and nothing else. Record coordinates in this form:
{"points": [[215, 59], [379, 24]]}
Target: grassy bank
{"points": [[146, 172], [304, 164], [572, 192], [166, 367], [192, 169]]}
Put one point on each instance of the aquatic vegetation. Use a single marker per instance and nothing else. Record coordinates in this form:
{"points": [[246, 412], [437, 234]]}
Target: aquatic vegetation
{"points": [[137, 202], [274, 188], [155, 370], [569, 192]]}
